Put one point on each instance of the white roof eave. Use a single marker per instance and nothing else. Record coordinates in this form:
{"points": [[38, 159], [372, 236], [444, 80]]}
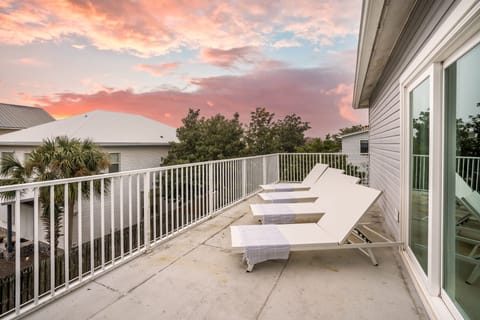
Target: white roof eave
{"points": [[380, 28]]}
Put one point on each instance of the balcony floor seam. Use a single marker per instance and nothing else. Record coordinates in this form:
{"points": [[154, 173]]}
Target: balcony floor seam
{"points": [[271, 290]]}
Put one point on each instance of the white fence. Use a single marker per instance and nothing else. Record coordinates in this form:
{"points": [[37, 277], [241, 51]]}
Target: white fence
{"points": [[466, 167], [295, 166], [113, 214]]}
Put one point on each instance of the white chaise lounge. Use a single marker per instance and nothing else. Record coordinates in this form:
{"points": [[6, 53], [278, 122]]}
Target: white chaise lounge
{"points": [[471, 200], [305, 185], [338, 229], [326, 181]]}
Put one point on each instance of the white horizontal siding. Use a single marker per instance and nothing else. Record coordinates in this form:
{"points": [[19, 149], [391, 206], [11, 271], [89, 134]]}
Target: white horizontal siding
{"points": [[384, 113]]}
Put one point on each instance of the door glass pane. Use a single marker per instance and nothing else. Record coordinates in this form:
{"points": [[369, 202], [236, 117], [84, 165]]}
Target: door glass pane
{"points": [[462, 183], [419, 147]]}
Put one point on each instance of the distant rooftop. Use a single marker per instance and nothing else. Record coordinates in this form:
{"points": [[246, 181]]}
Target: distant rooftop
{"points": [[103, 127], [353, 133], [14, 117]]}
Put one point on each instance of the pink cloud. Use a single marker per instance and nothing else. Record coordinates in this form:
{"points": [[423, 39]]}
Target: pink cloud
{"points": [[229, 58], [79, 46], [32, 62], [344, 95], [326, 42], [149, 27], [306, 92], [157, 69]]}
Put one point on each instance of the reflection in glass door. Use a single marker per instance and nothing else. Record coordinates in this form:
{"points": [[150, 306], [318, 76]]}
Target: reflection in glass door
{"points": [[462, 183], [419, 100]]}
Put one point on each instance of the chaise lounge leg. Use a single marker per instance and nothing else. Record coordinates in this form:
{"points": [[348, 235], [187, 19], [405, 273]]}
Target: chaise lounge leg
{"points": [[474, 275], [249, 266], [372, 257]]}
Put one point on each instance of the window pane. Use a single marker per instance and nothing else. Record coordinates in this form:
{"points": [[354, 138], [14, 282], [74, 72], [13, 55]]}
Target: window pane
{"points": [[419, 175], [114, 168], [363, 146], [114, 157], [462, 183], [114, 162]]}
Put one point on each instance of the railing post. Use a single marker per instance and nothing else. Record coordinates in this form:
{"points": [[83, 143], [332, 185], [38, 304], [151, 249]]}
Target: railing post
{"points": [[244, 178], [146, 211], [210, 188], [264, 158], [278, 167]]}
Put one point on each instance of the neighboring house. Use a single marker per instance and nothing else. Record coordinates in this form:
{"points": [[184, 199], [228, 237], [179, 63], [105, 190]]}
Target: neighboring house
{"points": [[418, 73], [13, 117], [356, 146], [356, 142], [132, 142]]}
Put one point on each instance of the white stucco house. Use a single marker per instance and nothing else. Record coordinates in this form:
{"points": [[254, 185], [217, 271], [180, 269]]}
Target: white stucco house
{"points": [[418, 74], [132, 142], [356, 146], [356, 142]]}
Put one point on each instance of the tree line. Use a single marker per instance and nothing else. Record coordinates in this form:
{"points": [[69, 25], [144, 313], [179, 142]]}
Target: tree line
{"points": [[216, 138]]}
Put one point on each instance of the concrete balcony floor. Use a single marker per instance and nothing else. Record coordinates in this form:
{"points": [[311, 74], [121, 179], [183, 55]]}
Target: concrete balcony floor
{"points": [[194, 276]]}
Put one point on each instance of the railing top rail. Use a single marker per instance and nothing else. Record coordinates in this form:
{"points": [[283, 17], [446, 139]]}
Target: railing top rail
{"points": [[39, 184], [468, 157], [458, 157], [325, 153]]}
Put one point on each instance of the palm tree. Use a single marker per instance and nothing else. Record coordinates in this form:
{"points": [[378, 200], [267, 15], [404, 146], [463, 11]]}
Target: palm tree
{"points": [[14, 173], [58, 158]]}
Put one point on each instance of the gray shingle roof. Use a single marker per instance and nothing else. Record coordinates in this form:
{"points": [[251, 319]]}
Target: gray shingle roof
{"points": [[21, 117]]}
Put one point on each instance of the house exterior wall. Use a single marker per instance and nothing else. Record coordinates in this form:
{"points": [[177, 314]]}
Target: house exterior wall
{"points": [[131, 158], [384, 111], [351, 144]]}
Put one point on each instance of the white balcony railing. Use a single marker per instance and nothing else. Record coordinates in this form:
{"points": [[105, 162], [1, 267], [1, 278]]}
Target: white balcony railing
{"points": [[466, 167], [113, 214], [295, 166]]}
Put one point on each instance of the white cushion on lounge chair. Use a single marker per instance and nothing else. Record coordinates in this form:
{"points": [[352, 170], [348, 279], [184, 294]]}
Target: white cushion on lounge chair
{"points": [[309, 181], [330, 178], [332, 230]]}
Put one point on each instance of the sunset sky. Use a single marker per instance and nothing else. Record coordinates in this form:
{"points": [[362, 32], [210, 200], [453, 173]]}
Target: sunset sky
{"points": [[160, 58]]}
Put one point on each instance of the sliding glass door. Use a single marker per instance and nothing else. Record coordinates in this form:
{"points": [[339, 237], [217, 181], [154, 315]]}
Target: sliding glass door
{"points": [[419, 102], [461, 248]]}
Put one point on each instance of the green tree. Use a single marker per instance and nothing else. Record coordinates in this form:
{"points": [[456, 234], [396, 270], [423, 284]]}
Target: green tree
{"points": [[264, 135], [327, 145], [468, 137], [203, 139], [352, 129], [261, 134], [57, 158], [291, 133], [421, 128]]}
